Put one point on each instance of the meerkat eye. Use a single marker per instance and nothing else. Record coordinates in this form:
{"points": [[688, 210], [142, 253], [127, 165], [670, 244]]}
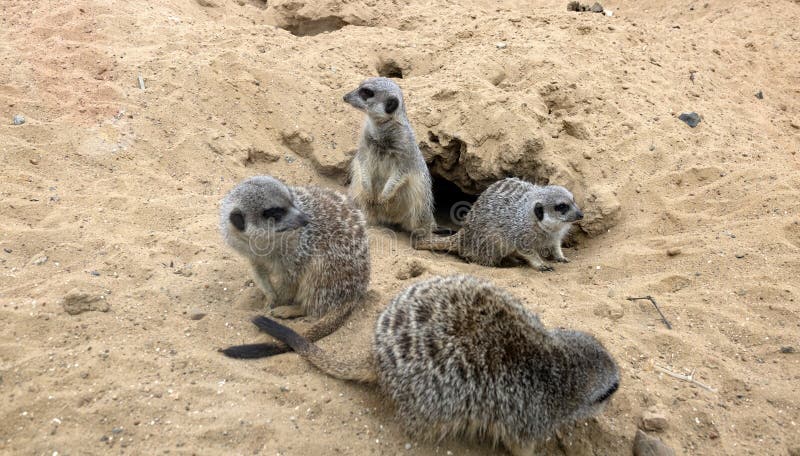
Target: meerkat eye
{"points": [[275, 213], [563, 208], [365, 93]]}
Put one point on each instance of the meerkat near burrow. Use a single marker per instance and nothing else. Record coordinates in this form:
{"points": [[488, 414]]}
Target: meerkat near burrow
{"points": [[513, 219], [389, 179], [308, 250], [460, 357]]}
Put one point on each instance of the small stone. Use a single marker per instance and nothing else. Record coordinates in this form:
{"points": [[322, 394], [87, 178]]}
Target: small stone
{"points": [[644, 445], [78, 302], [410, 269], [692, 119], [739, 255], [760, 95], [501, 45], [7, 250], [196, 314], [33, 161], [674, 251], [653, 420], [95, 273], [117, 430], [787, 350], [38, 261], [408, 446], [608, 13], [597, 8], [18, 120], [652, 147]]}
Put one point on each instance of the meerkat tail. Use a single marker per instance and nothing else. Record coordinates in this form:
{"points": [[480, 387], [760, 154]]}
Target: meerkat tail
{"points": [[438, 243], [360, 372], [254, 351], [329, 323]]}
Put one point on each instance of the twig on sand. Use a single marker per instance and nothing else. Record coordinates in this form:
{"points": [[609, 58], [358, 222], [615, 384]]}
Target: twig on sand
{"points": [[688, 378], [141, 81], [651, 299]]}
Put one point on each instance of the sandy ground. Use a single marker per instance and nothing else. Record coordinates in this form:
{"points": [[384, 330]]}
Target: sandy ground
{"points": [[110, 193]]}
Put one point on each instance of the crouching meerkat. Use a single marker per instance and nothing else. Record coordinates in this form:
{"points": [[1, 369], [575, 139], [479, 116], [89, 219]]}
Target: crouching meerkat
{"points": [[460, 357], [513, 219], [308, 250], [389, 179]]}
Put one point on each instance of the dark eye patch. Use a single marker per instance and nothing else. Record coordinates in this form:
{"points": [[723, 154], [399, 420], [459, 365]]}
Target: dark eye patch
{"points": [[274, 213], [365, 93], [563, 208], [391, 105]]}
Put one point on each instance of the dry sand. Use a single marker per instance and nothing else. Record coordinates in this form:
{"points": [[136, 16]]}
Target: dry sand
{"points": [[110, 193]]}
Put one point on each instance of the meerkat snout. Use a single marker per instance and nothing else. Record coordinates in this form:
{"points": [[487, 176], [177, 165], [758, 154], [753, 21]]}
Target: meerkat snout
{"points": [[373, 98], [557, 209]]}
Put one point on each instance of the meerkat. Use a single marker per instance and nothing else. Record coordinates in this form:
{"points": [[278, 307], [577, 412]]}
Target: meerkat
{"points": [[460, 357], [308, 250], [513, 219], [389, 179]]}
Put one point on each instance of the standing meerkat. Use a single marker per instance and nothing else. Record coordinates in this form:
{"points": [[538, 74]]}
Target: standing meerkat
{"points": [[459, 356], [513, 219], [308, 250], [389, 179]]}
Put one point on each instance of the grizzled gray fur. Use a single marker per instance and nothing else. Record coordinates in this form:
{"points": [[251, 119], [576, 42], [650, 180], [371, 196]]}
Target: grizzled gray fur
{"points": [[390, 181], [460, 357], [513, 219]]}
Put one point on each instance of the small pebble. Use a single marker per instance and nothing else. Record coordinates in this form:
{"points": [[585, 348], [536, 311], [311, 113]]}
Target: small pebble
{"points": [[195, 314], [760, 95], [740, 255], [117, 430], [787, 349], [40, 260], [501, 45], [408, 446], [674, 251], [95, 273], [654, 420], [692, 119], [18, 120], [7, 250]]}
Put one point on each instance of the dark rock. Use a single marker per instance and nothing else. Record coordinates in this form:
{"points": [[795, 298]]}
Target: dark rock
{"points": [[787, 350], [597, 8], [760, 95], [644, 445], [692, 119], [195, 314]]}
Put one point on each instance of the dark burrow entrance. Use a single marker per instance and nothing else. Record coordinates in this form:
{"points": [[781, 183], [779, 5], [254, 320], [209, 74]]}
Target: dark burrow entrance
{"points": [[451, 203]]}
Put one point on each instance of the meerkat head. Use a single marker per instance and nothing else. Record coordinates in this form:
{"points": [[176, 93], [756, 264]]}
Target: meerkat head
{"points": [[380, 98], [555, 208], [258, 211], [596, 374]]}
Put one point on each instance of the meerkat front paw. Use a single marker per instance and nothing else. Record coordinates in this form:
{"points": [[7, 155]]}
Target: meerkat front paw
{"points": [[562, 260], [545, 268], [287, 312]]}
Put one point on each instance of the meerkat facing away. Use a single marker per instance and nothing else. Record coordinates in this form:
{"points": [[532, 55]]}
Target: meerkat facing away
{"points": [[513, 219], [459, 356], [308, 250], [390, 181]]}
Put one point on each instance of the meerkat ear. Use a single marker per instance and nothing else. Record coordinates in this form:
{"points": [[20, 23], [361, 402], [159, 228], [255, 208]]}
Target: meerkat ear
{"points": [[391, 105], [538, 210]]}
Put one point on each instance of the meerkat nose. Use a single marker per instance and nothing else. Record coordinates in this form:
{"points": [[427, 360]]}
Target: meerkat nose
{"points": [[237, 220], [303, 219], [579, 215]]}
